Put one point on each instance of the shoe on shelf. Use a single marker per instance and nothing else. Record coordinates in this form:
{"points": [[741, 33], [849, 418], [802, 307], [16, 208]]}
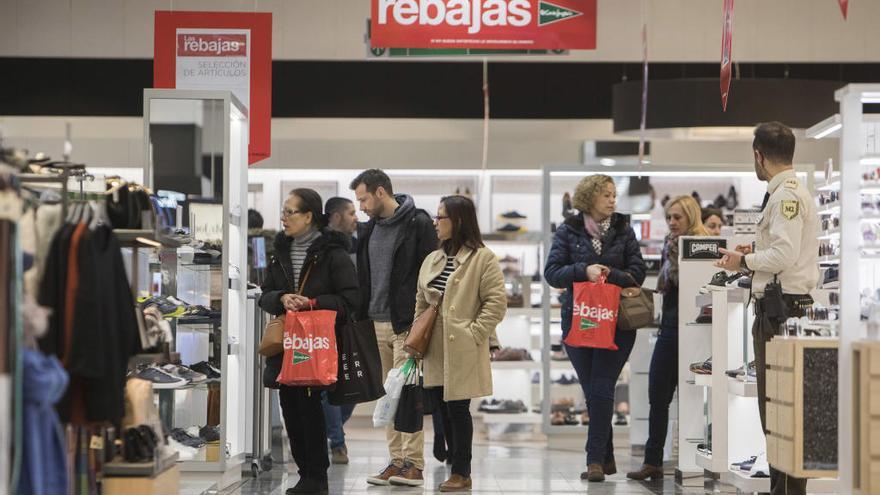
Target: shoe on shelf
{"points": [[456, 483], [645, 472], [161, 379], [702, 368], [705, 316], [509, 259], [718, 282], [557, 353], [382, 478], [512, 214], [183, 437], [511, 354], [571, 420], [210, 433], [761, 469], [738, 465], [509, 228], [408, 476], [184, 452], [206, 369], [309, 486], [339, 455], [185, 373], [831, 279], [621, 420], [745, 282], [594, 473], [557, 418]]}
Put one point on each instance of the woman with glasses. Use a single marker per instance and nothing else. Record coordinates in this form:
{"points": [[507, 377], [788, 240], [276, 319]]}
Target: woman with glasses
{"points": [[466, 276], [311, 270]]}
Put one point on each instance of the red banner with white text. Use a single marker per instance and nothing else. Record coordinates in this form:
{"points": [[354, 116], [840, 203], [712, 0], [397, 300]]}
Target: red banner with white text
{"points": [[220, 51], [484, 24]]}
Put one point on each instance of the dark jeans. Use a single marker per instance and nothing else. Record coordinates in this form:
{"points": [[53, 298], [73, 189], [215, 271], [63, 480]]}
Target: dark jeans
{"points": [[304, 420], [598, 370], [762, 331], [459, 432], [335, 417], [662, 381]]}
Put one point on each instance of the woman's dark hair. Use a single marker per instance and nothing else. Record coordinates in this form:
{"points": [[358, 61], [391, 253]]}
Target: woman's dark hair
{"points": [[465, 228], [310, 202], [708, 212]]}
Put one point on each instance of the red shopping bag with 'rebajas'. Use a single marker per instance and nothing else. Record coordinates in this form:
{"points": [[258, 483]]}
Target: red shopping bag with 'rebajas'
{"points": [[310, 355], [594, 315]]}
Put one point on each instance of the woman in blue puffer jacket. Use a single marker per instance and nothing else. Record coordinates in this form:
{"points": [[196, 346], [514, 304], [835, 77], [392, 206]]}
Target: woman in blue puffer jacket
{"points": [[596, 242]]}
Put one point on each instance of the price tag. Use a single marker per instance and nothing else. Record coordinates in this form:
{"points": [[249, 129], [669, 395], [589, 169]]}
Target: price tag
{"points": [[97, 443]]}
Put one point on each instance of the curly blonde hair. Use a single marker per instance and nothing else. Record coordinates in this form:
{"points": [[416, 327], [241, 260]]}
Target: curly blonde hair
{"points": [[692, 212], [588, 189]]}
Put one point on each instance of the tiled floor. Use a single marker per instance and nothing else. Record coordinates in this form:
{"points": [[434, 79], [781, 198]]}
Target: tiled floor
{"points": [[498, 467]]}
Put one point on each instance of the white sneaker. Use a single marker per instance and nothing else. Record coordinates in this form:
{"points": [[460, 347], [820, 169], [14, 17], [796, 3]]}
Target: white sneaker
{"points": [[184, 453], [761, 468]]}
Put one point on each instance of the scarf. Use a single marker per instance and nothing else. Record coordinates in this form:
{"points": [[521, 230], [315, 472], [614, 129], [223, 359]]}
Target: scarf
{"points": [[596, 231]]}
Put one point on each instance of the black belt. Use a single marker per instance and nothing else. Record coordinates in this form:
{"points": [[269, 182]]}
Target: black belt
{"points": [[795, 302]]}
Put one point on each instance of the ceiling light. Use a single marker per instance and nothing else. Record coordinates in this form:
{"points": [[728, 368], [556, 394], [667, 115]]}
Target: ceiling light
{"points": [[825, 128]]}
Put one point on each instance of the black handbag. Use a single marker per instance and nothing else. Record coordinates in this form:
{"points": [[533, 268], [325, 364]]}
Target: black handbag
{"points": [[359, 378], [410, 414]]}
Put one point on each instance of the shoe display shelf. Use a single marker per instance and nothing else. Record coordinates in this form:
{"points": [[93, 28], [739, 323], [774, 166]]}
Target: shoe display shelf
{"points": [[858, 218], [227, 341]]}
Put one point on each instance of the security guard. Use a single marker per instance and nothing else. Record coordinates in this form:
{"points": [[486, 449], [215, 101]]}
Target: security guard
{"points": [[784, 264]]}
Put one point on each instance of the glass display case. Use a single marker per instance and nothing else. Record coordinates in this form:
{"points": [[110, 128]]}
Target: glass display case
{"points": [[196, 145]]}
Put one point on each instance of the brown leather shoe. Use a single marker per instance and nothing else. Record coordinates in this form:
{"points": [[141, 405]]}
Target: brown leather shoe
{"points": [[382, 478], [609, 468], [409, 476], [594, 472], [456, 483], [646, 471]]}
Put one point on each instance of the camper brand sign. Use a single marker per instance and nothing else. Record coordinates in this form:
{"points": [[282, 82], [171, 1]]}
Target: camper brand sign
{"points": [[485, 24]]}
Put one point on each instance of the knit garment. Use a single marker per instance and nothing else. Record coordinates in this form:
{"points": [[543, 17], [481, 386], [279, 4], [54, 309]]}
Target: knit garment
{"points": [[604, 225], [298, 250]]}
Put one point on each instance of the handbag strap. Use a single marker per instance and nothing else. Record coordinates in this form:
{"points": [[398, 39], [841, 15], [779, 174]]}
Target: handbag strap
{"points": [[632, 279], [302, 282]]}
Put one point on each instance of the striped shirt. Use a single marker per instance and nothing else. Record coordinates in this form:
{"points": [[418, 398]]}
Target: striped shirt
{"points": [[298, 250], [439, 283]]}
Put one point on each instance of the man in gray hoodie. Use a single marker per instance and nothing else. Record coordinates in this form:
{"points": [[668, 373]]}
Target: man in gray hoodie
{"points": [[391, 249]]}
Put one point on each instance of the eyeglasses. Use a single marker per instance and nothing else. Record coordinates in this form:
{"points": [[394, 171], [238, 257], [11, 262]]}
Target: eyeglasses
{"points": [[287, 212], [440, 217]]}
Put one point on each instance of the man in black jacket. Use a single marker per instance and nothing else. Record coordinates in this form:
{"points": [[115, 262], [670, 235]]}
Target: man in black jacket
{"points": [[391, 248]]}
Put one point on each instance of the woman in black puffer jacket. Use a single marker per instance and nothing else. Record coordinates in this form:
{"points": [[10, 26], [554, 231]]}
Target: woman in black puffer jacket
{"points": [[306, 248], [596, 242]]}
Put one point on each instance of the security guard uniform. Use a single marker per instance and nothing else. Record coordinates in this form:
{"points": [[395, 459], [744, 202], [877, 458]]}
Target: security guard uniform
{"points": [[786, 251]]}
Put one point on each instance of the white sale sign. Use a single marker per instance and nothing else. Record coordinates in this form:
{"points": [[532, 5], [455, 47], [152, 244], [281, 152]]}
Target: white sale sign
{"points": [[214, 59]]}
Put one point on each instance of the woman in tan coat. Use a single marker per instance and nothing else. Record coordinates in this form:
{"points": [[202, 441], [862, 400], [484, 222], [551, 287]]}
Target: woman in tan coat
{"points": [[468, 277]]}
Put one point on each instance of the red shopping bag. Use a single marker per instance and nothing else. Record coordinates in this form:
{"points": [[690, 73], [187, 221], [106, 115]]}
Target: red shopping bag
{"points": [[594, 315], [310, 357]]}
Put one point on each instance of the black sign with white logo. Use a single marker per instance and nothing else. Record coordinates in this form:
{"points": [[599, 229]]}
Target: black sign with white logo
{"points": [[697, 248]]}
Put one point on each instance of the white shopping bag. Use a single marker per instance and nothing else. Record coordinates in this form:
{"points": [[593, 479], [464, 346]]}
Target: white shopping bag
{"points": [[386, 407]]}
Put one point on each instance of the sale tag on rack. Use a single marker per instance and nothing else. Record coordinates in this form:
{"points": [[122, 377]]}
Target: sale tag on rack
{"points": [[726, 44]]}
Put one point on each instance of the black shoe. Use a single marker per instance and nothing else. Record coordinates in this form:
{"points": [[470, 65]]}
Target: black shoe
{"points": [[509, 228], [512, 214], [206, 369], [745, 283], [307, 485], [210, 433], [718, 282]]}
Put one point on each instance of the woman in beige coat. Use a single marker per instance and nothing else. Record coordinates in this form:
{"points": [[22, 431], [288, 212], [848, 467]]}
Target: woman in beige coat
{"points": [[468, 277]]}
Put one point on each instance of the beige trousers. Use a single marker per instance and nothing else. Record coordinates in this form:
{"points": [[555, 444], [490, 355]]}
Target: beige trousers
{"points": [[403, 447]]}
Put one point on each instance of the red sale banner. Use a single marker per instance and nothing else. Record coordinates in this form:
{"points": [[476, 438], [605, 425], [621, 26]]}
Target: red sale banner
{"points": [[484, 24], [726, 44], [844, 6], [220, 50]]}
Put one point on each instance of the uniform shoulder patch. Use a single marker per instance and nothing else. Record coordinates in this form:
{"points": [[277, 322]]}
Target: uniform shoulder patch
{"points": [[790, 208], [791, 183]]}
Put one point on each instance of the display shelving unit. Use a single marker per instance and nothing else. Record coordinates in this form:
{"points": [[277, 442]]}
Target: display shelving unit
{"points": [[858, 267], [226, 340]]}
